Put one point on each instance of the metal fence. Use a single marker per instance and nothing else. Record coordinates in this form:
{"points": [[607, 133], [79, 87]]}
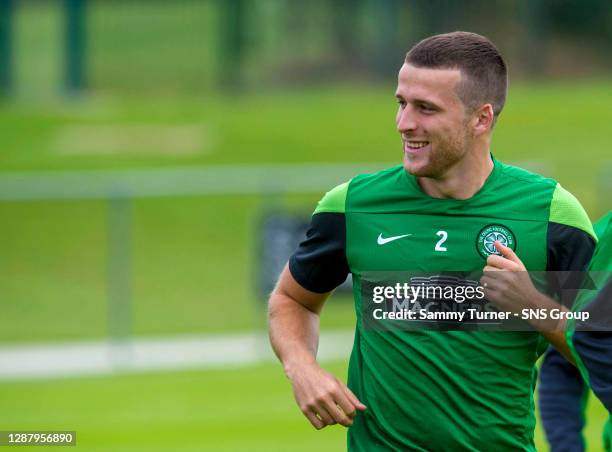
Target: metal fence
{"points": [[194, 46]]}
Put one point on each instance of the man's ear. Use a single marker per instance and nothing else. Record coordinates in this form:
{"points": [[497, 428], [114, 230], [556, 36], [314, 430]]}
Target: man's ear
{"points": [[483, 119]]}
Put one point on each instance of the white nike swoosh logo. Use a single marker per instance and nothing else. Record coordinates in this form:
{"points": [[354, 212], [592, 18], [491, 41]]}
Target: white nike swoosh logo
{"points": [[382, 241]]}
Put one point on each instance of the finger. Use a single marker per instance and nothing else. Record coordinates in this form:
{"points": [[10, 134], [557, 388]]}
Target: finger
{"points": [[353, 398], [492, 295], [507, 252], [484, 281], [345, 405], [490, 268], [324, 415], [335, 411], [314, 420], [340, 416], [501, 263], [489, 284], [498, 262]]}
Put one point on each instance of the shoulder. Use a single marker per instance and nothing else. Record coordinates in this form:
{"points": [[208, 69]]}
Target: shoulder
{"points": [[523, 192], [388, 174], [527, 178], [335, 200], [566, 209]]}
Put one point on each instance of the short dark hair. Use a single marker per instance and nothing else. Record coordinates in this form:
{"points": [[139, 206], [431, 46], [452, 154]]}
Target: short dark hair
{"points": [[485, 77]]}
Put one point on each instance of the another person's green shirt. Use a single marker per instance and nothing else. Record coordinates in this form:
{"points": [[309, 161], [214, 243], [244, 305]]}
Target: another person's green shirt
{"points": [[591, 341]]}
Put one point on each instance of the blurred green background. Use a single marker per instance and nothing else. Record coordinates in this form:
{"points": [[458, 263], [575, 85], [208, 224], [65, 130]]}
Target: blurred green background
{"points": [[140, 88]]}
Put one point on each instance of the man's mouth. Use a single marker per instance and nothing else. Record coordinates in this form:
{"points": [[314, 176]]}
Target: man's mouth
{"points": [[413, 146], [416, 144]]}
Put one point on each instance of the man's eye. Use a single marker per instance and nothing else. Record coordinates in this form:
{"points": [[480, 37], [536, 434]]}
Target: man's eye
{"points": [[426, 108], [401, 103]]}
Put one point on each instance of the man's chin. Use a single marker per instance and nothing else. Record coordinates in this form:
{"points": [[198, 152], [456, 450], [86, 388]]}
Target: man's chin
{"points": [[416, 169]]}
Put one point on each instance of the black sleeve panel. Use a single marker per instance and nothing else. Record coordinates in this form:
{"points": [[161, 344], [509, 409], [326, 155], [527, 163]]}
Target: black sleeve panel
{"points": [[561, 391], [319, 264], [568, 248]]}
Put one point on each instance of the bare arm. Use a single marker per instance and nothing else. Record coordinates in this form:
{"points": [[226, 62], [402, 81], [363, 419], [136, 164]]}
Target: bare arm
{"points": [[553, 330], [293, 317]]}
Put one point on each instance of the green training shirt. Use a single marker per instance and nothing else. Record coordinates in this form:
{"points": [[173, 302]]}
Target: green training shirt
{"points": [[441, 390], [562, 391], [590, 341]]}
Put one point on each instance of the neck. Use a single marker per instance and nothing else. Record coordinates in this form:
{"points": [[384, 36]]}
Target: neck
{"points": [[463, 180]]}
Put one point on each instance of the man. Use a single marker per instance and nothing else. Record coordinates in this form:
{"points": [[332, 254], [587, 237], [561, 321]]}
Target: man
{"points": [[439, 211], [563, 390]]}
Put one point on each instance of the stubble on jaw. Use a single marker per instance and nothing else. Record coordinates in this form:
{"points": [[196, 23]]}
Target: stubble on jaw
{"points": [[446, 154]]}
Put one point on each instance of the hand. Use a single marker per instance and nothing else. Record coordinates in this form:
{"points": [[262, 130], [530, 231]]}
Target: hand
{"points": [[506, 281], [323, 398]]}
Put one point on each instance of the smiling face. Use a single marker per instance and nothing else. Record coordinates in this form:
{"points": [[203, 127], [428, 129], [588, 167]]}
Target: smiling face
{"points": [[432, 121]]}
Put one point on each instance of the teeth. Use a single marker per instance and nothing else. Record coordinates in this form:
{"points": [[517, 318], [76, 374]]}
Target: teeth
{"points": [[417, 144]]}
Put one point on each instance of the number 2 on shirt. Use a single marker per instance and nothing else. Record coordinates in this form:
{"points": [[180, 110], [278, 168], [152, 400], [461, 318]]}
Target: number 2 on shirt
{"points": [[443, 236]]}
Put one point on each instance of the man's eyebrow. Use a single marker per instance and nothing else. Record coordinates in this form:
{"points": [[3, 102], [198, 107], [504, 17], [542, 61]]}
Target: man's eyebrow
{"points": [[417, 101], [423, 101]]}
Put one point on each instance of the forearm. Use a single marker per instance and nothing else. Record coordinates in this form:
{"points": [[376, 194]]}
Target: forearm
{"points": [[552, 329], [557, 340], [294, 331], [294, 335]]}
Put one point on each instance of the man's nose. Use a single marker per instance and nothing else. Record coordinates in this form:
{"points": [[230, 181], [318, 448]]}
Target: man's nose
{"points": [[406, 119]]}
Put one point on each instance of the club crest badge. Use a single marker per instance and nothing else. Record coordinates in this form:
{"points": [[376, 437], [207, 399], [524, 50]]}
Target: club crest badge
{"points": [[491, 233]]}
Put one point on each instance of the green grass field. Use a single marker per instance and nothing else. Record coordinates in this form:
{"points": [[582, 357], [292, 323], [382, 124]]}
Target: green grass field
{"points": [[222, 410], [218, 410]]}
